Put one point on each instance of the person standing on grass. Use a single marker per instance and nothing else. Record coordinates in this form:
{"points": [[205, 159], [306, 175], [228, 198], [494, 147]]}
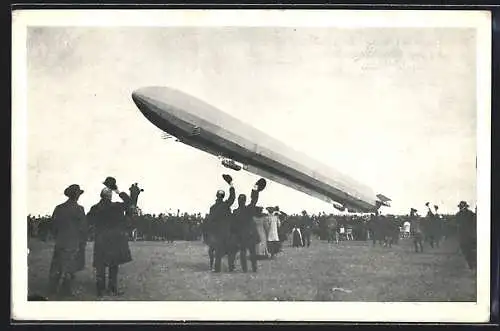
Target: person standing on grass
{"points": [[273, 240], [218, 228], [467, 234], [244, 227], [296, 237], [406, 229], [69, 229], [417, 231], [111, 247], [306, 230]]}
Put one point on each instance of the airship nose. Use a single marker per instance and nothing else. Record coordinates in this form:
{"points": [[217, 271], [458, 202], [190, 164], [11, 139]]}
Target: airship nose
{"points": [[146, 98], [140, 99]]}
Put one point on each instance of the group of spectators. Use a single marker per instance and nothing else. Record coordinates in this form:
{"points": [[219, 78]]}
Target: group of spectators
{"points": [[226, 231], [188, 226], [148, 227]]}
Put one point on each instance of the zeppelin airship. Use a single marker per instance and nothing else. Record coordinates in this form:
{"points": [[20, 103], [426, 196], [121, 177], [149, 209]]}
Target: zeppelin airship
{"points": [[243, 147]]}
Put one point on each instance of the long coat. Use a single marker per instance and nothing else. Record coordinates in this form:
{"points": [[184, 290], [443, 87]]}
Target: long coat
{"points": [[466, 220], [69, 228], [467, 234], [243, 226], [217, 226], [111, 233]]}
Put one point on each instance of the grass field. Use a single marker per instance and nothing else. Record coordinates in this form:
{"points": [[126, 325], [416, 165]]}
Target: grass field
{"points": [[350, 271]]}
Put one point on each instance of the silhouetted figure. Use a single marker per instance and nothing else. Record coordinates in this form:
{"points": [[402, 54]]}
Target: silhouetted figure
{"points": [[69, 228], [467, 232], [417, 231], [217, 228], [245, 229], [111, 236]]}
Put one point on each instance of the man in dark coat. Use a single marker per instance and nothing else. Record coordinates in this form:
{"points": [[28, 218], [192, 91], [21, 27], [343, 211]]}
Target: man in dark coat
{"points": [[305, 228], [218, 229], [245, 229], [69, 228], [417, 231], [431, 226], [467, 233], [111, 237]]}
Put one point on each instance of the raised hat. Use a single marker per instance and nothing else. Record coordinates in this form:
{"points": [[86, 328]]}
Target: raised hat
{"points": [[135, 186], [227, 178], [110, 182], [261, 184]]}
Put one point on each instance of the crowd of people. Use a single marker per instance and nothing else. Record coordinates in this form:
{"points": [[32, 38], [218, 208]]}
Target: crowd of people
{"points": [[147, 227], [188, 226], [248, 229]]}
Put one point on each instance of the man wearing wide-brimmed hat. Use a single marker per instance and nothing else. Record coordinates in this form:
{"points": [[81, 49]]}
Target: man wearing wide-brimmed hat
{"points": [[466, 220], [111, 247], [69, 228]]}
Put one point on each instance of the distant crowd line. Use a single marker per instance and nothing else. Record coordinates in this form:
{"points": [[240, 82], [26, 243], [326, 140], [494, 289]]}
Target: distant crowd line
{"points": [[188, 226]]}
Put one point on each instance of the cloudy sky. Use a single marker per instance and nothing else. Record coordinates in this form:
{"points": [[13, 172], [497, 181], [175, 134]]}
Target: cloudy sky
{"points": [[393, 108]]}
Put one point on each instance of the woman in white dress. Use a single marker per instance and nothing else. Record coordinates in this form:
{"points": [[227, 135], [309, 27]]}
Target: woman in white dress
{"points": [[273, 240], [261, 248]]}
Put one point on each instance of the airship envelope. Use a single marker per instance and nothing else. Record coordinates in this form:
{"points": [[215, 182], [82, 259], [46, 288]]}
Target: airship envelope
{"points": [[202, 126]]}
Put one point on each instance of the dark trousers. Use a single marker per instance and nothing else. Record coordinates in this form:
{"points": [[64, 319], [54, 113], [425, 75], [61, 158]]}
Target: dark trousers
{"points": [[112, 279], [307, 239], [60, 282], [219, 254], [418, 242], [253, 258], [211, 255], [434, 240], [469, 250]]}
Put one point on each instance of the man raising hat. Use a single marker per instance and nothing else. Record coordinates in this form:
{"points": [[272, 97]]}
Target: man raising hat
{"points": [[217, 228], [111, 236], [70, 231], [244, 227]]}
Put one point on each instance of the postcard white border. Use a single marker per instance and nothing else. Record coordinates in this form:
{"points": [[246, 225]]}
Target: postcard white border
{"points": [[248, 311]]}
